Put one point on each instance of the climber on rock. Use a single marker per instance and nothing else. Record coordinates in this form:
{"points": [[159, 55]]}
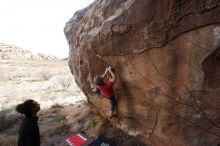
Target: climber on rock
{"points": [[106, 88]]}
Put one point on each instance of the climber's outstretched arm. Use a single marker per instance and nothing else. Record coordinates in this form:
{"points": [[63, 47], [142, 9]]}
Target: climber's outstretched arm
{"points": [[105, 73], [113, 77]]}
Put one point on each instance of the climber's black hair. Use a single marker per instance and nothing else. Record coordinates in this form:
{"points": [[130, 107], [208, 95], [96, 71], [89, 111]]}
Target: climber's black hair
{"points": [[99, 81]]}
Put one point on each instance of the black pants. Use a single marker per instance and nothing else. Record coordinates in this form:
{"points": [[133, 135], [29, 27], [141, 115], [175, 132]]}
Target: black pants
{"points": [[113, 104]]}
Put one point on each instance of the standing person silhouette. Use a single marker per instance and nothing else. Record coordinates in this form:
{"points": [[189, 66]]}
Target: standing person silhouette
{"points": [[29, 130], [106, 88]]}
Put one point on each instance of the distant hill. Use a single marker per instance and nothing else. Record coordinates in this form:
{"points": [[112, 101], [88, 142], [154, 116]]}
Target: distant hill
{"points": [[12, 52]]}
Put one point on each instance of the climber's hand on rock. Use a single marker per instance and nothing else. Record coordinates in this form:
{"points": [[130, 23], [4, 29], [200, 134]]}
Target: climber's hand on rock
{"points": [[109, 68]]}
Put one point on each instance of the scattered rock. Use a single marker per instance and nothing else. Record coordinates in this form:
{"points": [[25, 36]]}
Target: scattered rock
{"points": [[11, 52]]}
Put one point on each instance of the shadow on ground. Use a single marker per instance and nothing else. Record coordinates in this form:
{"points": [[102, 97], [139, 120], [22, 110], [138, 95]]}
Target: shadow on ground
{"points": [[60, 122]]}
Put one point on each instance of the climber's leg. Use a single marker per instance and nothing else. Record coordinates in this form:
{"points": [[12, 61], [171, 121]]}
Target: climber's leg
{"points": [[113, 105]]}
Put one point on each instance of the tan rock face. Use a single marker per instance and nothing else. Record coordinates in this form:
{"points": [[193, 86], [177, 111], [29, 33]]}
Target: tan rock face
{"points": [[166, 56]]}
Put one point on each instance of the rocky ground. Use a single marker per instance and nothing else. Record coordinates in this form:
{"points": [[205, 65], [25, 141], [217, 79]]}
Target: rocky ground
{"points": [[48, 82], [64, 107]]}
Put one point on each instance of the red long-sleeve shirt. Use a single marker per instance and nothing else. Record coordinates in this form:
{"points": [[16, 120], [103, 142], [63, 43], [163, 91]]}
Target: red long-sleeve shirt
{"points": [[107, 89]]}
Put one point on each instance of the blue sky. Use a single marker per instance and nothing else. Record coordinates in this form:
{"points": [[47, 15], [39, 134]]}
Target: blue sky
{"points": [[37, 25]]}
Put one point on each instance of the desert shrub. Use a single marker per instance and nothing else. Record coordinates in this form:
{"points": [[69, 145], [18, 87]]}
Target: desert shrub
{"points": [[41, 75], [5, 77], [18, 74], [7, 119], [65, 81], [104, 120], [7, 141], [45, 75], [56, 106]]}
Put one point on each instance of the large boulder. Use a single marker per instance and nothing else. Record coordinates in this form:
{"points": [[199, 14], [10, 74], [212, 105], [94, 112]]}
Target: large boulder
{"points": [[166, 56]]}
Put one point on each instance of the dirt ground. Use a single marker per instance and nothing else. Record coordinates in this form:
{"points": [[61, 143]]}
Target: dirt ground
{"points": [[64, 108]]}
